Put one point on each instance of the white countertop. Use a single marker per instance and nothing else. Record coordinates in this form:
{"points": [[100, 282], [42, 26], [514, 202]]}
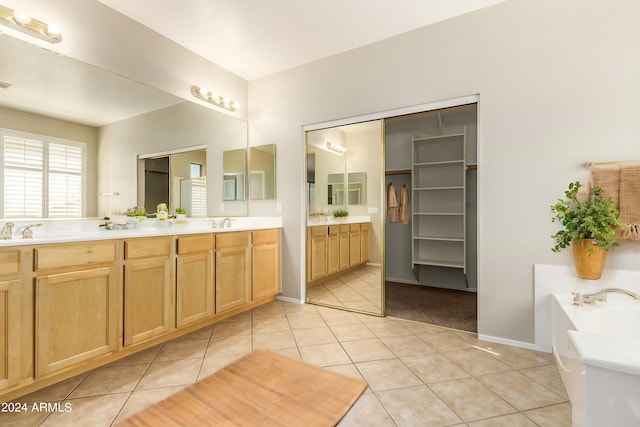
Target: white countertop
{"points": [[64, 231], [330, 220]]}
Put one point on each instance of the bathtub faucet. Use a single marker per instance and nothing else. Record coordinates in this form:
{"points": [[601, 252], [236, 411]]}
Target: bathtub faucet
{"points": [[600, 296]]}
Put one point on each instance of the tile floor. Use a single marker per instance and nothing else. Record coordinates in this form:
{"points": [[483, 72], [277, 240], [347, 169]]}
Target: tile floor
{"points": [[418, 375], [359, 289]]}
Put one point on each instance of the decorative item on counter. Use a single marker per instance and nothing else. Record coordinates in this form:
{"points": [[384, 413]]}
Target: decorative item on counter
{"points": [[162, 211], [340, 213], [181, 214], [137, 215], [589, 227]]}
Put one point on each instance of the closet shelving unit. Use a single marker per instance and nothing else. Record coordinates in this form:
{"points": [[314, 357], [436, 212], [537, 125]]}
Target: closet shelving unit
{"points": [[438, 208]]}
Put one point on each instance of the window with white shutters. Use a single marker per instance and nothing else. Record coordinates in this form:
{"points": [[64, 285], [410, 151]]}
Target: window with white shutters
{"points": [[41, 176]]}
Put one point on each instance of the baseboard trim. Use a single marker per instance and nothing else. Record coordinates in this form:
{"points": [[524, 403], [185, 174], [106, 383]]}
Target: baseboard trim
{"points": [[514, 343], [287, 299]]}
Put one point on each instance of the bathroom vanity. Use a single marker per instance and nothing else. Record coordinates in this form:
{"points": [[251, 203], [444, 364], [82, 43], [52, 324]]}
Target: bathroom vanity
{"points": [[76, 297]]}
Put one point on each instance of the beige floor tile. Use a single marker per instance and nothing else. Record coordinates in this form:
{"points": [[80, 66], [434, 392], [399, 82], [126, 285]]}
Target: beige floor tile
{"points": [[96, 411], [231, 329], [336, 318], [175, 372], [549, 377], [197, 335], [143, 357], [348, 370], [313, 336], [367, 411], [443, 340], [387, 374], [432, 368], [324, 355], [351, 332], [56, 392], [407, 345], [476, 362], [551, 416], [511, 420], [142, 399], [273, 340], [230, 345], [292, 353], [183, 349], [520, 358], [417, 406], [366, 350], [115, 379], [520, 390], [270, 325], [306, 321], [295, 309], [471, 400], [388, 328], [22, 419]]}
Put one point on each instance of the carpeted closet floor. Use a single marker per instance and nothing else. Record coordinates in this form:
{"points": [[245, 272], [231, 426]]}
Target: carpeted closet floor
{"points": [[443, 307]]}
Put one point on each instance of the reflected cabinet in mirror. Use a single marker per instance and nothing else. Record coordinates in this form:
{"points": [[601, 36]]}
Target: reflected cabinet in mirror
{"points": [[344, 255], [129, 121], [262, 172]]}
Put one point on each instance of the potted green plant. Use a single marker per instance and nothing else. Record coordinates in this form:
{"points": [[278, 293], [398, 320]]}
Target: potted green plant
{"points": [[340, 213], [181, 213], [162, 211], [589, 227]]}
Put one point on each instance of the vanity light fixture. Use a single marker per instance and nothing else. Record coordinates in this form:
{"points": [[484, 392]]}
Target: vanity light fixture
{"points": [[335, 147], [20, 21], [206, 95]]}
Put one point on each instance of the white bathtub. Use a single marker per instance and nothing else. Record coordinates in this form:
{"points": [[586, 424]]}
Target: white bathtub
{"points": [[597, 349]]}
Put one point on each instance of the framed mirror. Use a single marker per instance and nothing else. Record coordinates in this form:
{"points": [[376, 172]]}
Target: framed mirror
{"points": [[262, 172], [234, 169], [130, 119], [344, 255]]}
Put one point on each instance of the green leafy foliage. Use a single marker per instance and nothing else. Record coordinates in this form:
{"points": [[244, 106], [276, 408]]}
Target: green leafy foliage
{"points": [[340, 213], [595, 218], [136, 211], [181, 211]]}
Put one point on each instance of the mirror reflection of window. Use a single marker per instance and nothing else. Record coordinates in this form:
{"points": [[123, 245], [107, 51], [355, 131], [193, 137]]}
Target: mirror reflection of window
{"points": [[234, 166]]}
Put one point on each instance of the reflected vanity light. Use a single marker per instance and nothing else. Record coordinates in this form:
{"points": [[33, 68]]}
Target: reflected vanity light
{"points": [[206, 95], [335, 147], [21, 21]]}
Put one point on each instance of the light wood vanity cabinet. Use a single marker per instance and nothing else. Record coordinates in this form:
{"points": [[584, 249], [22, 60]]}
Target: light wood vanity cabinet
{"points": [[335, 248], [194, 278], [233, 270], [10, 280], [76, 304], [265, 263], [147, 288]]}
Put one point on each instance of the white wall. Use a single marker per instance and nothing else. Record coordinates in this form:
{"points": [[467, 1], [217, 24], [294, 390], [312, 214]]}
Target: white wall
{"points": [[558, 84]]}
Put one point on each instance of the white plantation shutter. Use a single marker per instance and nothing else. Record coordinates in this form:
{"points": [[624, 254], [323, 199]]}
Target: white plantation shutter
{"points": [[23, 177], [42, 177], [199, 197], [65, 181]]}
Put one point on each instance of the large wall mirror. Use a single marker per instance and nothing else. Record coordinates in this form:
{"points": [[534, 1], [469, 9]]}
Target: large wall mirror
{"points": [[118, 120], [262, 172], [344, 255]]}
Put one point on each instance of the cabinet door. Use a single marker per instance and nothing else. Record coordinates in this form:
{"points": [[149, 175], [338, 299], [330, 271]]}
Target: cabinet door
{"points": [[76, 318], [265, 264], [147, 300], [233, 278], [317, 253], [333, 253], [9, 333], [365, 243], [354, 245], [344, 247], [194, 281]]}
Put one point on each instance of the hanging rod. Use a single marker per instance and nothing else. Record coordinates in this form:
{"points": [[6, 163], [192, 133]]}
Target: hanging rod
{"points": [[398, 172]]}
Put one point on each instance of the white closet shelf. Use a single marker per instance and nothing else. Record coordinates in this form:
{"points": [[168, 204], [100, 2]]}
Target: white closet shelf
{"points": [[442, 163], [439, 137], [438, 188], [439, 263], [439, 213], [440, 238]]}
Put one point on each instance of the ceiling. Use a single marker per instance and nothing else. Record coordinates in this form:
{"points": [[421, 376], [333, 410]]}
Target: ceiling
{"points": [[256, 38]]}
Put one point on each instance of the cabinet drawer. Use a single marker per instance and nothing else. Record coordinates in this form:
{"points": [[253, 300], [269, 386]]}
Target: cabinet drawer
{"points": [[239, 239], [334, 229], [9, 262], [364, 226], [74, 255], [344, 228], [261, 237], [194, 244], [147, 248], [318, 231], [354, 227]]}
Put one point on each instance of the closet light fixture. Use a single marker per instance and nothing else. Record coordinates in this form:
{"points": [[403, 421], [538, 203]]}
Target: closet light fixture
{"points": [[206, 95], [21, 21], [335, 147]]}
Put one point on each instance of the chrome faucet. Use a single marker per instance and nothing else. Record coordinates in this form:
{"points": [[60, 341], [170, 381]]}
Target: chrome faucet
{"points": [[600, 296], [226, 221], [27, 232], [7, 231]]}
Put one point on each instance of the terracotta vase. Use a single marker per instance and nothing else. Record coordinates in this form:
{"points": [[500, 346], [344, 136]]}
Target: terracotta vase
{"points": [[588, 266]]}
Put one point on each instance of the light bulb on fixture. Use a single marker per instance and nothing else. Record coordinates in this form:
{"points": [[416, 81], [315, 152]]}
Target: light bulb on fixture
{"points": [[213, 98], [19, 21], [335, 147]]}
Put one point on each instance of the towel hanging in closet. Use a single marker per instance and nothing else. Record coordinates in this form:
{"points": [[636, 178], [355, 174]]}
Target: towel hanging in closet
{"points": [[405, 207], [392, 205]]}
